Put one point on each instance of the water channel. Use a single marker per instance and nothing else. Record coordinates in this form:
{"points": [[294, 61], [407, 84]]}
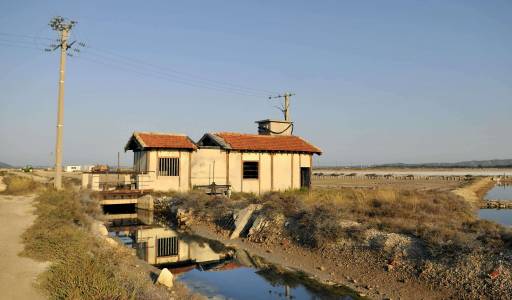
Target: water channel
{"points": [[501, 216], [207, 267]]}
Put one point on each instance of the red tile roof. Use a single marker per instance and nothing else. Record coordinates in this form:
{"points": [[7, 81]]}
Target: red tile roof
{"points": [[255, 142], [161, 140]]}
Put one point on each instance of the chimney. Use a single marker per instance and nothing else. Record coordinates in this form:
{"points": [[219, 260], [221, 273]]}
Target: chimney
{"points": [[274, 127]]}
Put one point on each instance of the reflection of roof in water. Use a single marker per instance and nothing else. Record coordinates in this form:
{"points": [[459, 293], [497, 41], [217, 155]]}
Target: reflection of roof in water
{"points": [[218, 266]]}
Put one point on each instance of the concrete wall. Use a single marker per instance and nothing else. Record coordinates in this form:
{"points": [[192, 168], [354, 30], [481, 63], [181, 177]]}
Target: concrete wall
{"points": [[152, 180], [277, 171], [140, 161], [203, 163]]}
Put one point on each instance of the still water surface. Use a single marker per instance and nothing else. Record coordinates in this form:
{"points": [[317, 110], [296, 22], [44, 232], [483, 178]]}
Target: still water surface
{"points": [[501, 216], [222, 279], [500, 192]]}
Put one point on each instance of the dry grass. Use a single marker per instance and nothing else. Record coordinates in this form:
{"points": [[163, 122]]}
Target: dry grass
{"points": [[443, 221], [83, 266], [17, 185]]}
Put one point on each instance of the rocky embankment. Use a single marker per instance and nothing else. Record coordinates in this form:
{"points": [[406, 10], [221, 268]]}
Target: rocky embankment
{"points": [[377, 264]]}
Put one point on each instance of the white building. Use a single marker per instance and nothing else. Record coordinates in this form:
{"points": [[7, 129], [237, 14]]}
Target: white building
{"points": [[73, 169]]}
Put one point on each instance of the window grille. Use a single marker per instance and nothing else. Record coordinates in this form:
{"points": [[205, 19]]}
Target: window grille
{"points": [[167, 246], [168, 166]]}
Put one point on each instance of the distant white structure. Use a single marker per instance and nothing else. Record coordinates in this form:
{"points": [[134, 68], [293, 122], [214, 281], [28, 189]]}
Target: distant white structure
{"points": [[87, 168], [73, 169]]}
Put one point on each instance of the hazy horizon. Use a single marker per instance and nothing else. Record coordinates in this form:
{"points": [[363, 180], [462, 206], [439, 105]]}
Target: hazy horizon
{"points": [[376, 82]]}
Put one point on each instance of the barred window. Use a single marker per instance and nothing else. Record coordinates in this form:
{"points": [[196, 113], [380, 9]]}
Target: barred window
{"points": [[251, 170], [167, 246], [168, 166]]}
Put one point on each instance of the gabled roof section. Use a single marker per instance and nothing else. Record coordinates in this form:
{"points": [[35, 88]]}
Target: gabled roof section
{"points": [[256, 142], [157, 140], [211, 140]]}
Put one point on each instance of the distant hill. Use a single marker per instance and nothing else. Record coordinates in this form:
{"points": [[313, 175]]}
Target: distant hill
{"points": [[493, 163], [4, 165]]}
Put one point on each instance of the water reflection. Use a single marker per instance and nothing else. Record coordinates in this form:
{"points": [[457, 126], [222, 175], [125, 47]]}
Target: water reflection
{"points": [[159, 245], [207, 266]]}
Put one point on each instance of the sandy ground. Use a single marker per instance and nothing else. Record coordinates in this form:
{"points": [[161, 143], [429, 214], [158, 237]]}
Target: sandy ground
{"points": [[18, 274]]}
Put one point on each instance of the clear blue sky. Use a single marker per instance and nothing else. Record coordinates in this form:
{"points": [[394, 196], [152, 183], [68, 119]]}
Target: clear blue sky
{"points": [[376, 81]]}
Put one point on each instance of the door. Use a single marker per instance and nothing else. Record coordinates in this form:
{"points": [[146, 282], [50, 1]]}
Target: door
{"points": [[305, 177]]}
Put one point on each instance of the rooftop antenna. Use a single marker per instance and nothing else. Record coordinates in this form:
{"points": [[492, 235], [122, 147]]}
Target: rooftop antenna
{"points": [[285, 109]]}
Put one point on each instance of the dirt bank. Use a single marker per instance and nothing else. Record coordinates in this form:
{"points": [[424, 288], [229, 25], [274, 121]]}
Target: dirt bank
{"points": [[18, 274], [361, 271], [475, 191], [383, 244]]}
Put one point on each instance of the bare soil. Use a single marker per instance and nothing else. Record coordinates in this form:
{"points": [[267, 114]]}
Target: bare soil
{"points": [[18, 275]]}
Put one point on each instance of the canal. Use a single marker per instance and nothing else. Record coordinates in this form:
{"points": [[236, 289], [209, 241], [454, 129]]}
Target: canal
{"points": [[501, 216], [209, 268]]}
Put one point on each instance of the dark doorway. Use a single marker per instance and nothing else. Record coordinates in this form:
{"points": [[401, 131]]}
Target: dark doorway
{"points": [[305, 178]]}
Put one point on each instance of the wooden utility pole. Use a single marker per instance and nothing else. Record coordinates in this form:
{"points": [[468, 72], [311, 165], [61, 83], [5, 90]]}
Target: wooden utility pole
{"points": [[286, 107], [59, 24]]}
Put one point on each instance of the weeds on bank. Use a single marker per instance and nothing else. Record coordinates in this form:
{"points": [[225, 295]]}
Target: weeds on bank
{"points": [[444, 221], [83, 267], [17, 185]]}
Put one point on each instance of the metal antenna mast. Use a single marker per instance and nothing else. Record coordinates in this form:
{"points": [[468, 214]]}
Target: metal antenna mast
{"points": [[63, 27], [286, 107]]}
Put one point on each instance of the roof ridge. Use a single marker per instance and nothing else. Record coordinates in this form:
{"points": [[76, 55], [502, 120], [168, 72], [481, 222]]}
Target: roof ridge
{"points": [[160, 133], [249, 134]]}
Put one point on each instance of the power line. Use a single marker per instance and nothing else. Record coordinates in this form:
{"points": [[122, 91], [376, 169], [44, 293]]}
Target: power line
{"points": [[15, 45], [117, 60], [160, 75], [27, 36], [180, 73]]}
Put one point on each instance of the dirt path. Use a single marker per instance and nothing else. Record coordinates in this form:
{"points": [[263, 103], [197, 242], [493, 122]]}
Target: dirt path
{"points": [[18, 274]]}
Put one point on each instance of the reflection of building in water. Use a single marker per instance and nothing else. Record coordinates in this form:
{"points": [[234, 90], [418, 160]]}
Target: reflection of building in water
{"points": [[159, 245]]}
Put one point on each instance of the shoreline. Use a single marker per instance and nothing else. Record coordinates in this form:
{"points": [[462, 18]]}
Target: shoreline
{"points": [[475, 191], [361, 271]]}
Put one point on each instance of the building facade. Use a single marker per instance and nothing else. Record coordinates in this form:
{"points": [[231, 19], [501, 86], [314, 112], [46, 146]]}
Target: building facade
{"points": [[254, 163]]}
